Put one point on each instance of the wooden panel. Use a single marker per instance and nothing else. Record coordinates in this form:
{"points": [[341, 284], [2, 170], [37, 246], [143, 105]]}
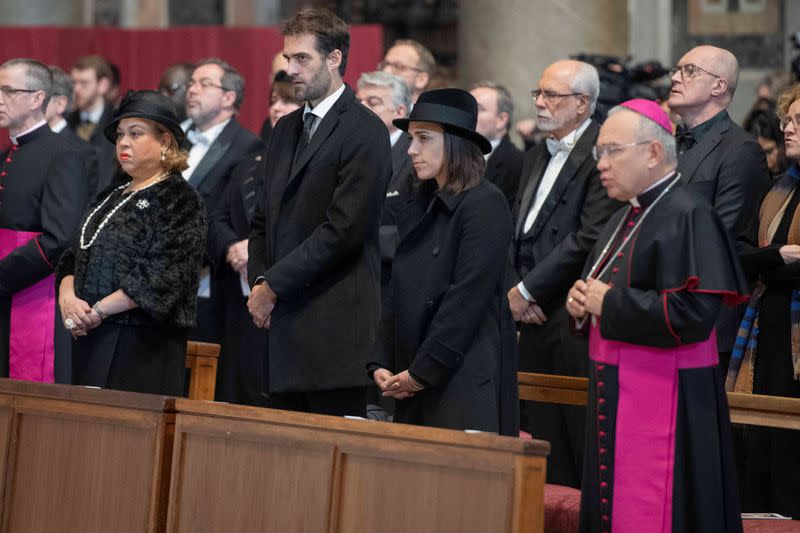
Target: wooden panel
{"points": [[552, 389], [231, 476], [397, 496], [529, 483], [80, 468]]}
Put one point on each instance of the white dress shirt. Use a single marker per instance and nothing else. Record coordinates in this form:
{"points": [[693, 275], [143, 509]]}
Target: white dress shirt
{"points": [[394, 137], [92, 116], [559, 151], [58, 128], [495, 143], [322, 108], [201, 142]]}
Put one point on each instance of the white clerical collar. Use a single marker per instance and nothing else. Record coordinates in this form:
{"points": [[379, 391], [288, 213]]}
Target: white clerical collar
{"points": [[59, 127], [94, 115], [394, 137], [495, 143], [34, 127], [635, 200], [322, 108]]}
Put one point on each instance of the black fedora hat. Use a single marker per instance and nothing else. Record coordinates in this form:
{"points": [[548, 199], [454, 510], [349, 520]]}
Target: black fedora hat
{"points": [[151, 105], [456, 110]]}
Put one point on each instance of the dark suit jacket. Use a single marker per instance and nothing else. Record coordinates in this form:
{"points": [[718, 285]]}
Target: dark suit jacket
{"points": [[107, 168], [504, 168], [400, 186], [88, 156], [232, 145], [315, 240], [549, 257], [729, 168]]}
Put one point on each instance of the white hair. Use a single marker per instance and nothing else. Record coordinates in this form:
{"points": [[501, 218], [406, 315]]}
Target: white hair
{"points": [[401, 95], [587, 81], [649, 130]]}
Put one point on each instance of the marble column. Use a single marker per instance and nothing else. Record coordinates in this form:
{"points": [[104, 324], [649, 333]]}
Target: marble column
{"points": [[511, 42]]}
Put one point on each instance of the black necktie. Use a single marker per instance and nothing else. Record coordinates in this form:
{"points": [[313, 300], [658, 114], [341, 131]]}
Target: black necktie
{"points": [[308, 123]]}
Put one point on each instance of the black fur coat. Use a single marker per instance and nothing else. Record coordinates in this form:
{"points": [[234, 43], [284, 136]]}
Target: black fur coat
{"points": [[151, 248]]}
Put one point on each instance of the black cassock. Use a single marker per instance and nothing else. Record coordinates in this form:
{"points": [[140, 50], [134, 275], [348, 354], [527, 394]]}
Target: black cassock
{"points": [[658, 449], [43, 192]]}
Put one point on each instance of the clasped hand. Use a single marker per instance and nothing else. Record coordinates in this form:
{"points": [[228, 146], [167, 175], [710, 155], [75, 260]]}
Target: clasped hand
{"points": [[398, 386], [586, 297], [237, 257], [261, 303], [524, 311], [81, 313]]}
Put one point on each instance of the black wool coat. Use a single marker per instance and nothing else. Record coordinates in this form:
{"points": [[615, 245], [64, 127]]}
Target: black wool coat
{"points": [[504, 168], [314, 239], [450, 324]]}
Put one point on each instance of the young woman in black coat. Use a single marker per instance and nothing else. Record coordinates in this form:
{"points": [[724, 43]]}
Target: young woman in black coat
{"points": [[448, 352], [127, 289]]}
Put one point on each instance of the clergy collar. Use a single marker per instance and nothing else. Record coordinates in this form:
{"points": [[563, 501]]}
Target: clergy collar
{"points": [[29, 134], [646, 197]]}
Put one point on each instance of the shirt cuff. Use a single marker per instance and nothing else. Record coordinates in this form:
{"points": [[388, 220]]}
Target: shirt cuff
{"points": [[524, 292]]}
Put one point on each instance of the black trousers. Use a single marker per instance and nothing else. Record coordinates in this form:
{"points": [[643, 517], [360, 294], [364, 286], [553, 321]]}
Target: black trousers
{"points": [[336, 402], [553, 349]]}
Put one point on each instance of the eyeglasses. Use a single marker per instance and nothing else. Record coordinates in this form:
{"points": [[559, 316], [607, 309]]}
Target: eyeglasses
{"points": [[204, 84], [610, 149], [688, 71], [10, 92], [551, 96], [397, 67], [795, 120]]}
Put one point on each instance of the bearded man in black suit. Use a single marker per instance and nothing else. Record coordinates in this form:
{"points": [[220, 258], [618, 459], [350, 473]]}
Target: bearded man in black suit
{"points": [[314, 247]]}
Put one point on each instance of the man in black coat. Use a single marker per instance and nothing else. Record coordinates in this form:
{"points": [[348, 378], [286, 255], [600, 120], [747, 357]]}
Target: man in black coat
{"points": [[91, 77], [43, 194], [560, 209], [495, 114], [216, 143], [314, 250], [717, 158]]}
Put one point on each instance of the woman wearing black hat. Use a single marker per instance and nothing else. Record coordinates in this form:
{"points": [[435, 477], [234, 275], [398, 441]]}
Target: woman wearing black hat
{"points": [[127, 288], [448, 354]]}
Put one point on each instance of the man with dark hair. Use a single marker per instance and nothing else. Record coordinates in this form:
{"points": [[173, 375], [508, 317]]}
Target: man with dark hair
{"points": [[314, 254], [217, 143], [495, 115], [411, 61], [43, 193], [173, 85], [91, 76]]}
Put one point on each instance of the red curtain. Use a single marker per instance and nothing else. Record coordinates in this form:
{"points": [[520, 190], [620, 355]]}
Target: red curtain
{"points": [[143, 54]]}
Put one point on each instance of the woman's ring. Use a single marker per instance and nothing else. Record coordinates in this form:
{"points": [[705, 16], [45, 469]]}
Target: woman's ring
{"points": [[570, 300], [69, 324]]}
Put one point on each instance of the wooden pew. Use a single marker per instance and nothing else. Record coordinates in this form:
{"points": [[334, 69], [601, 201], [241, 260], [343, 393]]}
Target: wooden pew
{"points": [[75, 459], [201, 360], [238, 468], [752, 409]]}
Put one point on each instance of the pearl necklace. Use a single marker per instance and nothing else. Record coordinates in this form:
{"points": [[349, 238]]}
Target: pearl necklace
{"points": [[83, 244]]}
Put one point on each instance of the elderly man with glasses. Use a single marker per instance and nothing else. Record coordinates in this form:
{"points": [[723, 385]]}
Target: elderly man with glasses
{"points": [[412, 62], [560, 208], [716, 157]]}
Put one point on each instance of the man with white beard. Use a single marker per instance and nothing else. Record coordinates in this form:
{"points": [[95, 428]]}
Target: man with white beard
{"points": [[560, 208]]}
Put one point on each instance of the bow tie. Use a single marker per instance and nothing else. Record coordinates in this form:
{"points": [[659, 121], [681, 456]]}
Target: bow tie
{"points": [[564, 145], [685, 138], [197, 138]]}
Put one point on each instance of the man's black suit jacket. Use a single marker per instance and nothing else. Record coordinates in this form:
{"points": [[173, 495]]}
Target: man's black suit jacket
{"points": [[107, 168], [504, 168], [315, 240], [234, 144], [728, 167], [549, 257]]}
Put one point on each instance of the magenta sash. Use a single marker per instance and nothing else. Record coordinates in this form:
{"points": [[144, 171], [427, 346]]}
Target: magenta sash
{"points": [[33, 317], [644, 455]]}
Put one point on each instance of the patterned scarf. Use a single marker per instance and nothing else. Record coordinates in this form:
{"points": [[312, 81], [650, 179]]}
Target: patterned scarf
{"points": [[745, 350]]}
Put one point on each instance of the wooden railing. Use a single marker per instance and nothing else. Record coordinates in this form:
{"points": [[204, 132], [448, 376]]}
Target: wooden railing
{"points": [[752, 409]]}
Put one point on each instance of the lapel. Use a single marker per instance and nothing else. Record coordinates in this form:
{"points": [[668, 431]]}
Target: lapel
{"points": [[400, 163], [324, 130], [98, 135], [251, 185], [541, 158], [691, 159], [496, 161], [277, 176], [418, 214], [218, 148], [576, 158]]}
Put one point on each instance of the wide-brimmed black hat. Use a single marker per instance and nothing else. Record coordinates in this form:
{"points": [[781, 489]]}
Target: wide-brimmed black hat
{"points": [[151, 105], [456, 110]]}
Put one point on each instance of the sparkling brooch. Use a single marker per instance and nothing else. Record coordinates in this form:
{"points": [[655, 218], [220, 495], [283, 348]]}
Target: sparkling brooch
{"points": [[143, 204]]}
